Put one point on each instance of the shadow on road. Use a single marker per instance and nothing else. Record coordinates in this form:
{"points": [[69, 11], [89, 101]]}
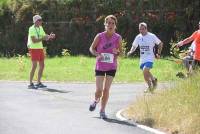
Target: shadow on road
{"points": [[110, 120], [120, 122], [53, 90]]}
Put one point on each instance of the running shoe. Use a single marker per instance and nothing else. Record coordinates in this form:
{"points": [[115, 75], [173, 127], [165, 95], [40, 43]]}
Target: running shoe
{"points": [[32, 86], [103, 115], [93, 106], [40, 85], [154, 82], [149, 89]]}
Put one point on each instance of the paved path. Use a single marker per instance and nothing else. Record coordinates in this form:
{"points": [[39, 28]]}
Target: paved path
{"points": [[62, 108]]}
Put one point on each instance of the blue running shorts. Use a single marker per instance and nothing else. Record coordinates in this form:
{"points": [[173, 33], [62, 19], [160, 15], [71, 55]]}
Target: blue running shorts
{"points": [[146, 65]]}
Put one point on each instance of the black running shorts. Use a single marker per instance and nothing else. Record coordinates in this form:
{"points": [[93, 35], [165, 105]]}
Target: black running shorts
{"points": [[105, 73]]}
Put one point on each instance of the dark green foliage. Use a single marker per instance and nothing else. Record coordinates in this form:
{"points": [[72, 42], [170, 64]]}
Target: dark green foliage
{"points": [[76, 22]]}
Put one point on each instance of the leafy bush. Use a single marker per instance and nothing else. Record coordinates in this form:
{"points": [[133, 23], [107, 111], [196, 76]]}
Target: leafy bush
{"points": [[76, 22]]}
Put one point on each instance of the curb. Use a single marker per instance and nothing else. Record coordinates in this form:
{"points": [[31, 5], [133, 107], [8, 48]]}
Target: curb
{"points": [[119, 116]]}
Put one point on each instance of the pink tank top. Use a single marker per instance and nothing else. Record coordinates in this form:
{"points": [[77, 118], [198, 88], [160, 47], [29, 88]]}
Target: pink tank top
{"points": [[105, 47]]}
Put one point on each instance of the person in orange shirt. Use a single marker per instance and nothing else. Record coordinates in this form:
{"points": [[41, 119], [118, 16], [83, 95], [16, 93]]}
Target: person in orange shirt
{"points": [[196, 38]]}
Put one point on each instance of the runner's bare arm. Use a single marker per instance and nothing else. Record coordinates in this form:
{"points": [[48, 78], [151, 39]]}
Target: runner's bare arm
{"points": [[132, 50], [160, 46], [185, 41], [118, 51], [94, 45]]}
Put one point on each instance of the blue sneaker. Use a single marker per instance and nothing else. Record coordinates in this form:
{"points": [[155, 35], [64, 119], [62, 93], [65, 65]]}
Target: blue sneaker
{"points": [[32, 86], [40, 85], [93, 106], [103, 115]]}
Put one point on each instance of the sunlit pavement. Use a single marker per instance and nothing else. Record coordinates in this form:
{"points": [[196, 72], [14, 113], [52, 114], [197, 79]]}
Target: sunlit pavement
{"points": [[62, 108]]}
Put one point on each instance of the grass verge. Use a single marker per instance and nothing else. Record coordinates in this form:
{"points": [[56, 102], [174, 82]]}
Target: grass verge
{"points": [[175, 111]]}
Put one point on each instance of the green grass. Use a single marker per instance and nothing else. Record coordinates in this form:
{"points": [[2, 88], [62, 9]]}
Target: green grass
{"points": [[81, 69], [175, 111]]}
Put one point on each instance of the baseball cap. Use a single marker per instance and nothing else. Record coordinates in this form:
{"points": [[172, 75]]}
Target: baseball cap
{"points": [[36, 18]]}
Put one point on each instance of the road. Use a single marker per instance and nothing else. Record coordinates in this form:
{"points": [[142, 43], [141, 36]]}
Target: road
{"points": [[62, 108]]}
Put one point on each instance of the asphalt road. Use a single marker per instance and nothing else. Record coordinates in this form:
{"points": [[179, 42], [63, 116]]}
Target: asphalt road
{"points": [[62, 108]]}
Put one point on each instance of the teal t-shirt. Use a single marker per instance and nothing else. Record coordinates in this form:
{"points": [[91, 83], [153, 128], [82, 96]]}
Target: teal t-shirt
{"points": [[38, 32]]}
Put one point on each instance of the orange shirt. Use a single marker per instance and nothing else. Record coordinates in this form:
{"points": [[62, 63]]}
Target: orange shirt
{"points": [[196, 37]]}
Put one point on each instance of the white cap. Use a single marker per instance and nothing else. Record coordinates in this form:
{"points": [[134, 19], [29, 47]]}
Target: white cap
{"points": [[36, 18], [143, 24]]}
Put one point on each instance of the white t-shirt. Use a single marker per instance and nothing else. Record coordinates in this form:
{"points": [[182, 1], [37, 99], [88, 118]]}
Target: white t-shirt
{"points": [[146, 44]]}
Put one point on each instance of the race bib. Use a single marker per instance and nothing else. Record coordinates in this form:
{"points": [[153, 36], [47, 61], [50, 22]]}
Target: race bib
{"points": [[145, 50], [107, 57]]}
